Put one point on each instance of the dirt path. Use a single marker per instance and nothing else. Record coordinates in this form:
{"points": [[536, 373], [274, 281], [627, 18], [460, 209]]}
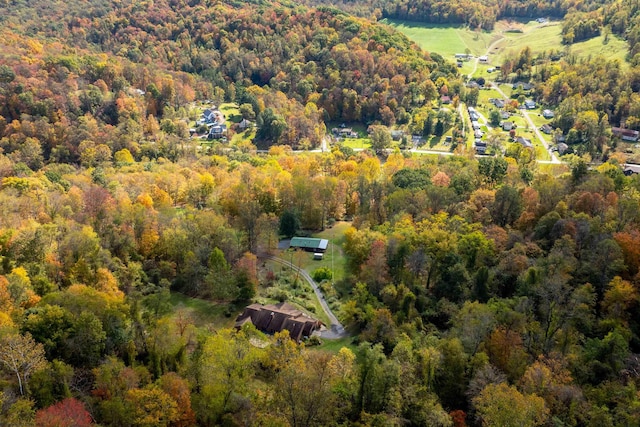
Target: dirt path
{"points": [[336, 329]]}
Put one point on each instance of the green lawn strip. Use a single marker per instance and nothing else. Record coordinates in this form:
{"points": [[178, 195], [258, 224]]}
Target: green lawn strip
{"points": [[484, 95], [507, 88], [356, 143], [243, 137], [522, 125], [334, 346], [542, 153], [231, 112], [476, 41], [538, 119]]}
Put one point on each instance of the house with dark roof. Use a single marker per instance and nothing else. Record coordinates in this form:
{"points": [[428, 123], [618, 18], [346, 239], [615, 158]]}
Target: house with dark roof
{"points": [[630, 169], [562, 148], [524, 142], [396, 134], [626, 134], [480, 145], [274, 318], [524, 85], [309, 244], [244, 124], [548, 114], [546, 128], [499, 103], [217, 131]]}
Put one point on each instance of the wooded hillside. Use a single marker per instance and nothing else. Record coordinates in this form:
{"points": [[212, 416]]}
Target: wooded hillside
{"points": [[476, 291]]}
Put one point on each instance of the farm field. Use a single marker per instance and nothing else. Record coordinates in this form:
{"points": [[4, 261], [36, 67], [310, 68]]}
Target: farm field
{"points": [[507, 38]]}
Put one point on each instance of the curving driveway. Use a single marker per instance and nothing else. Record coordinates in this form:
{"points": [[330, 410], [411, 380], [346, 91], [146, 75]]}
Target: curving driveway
{"points": [[336, 329]]}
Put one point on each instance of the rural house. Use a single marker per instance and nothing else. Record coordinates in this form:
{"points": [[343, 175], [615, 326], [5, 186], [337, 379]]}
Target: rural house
{"points": [[626, 134], [507, 126], [275, 318]]}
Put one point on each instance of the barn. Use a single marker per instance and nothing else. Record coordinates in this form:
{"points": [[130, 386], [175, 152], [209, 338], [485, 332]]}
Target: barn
{"points": [[309, 244]]}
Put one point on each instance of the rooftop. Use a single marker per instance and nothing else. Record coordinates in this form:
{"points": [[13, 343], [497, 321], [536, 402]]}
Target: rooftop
{"points": [[309, 243]]}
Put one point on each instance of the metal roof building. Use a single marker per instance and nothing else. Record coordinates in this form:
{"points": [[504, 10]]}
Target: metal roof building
{"points": [[309, 244]]}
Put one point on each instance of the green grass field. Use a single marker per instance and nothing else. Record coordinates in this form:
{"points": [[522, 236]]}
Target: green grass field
{"points": [[231, 111], [357, 143], [204, 313], [333, 259], [507, 38], [447, 40]]}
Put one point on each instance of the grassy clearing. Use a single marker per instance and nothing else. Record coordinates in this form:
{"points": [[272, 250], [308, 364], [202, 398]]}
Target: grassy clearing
{"points": [[538, 38], [510, 37], [443, 39], [334, 346], [334, 258], [231, 111], [537, 119], [291, 287], [612, 48], [357, 143], [204, 313], [245, 137]]}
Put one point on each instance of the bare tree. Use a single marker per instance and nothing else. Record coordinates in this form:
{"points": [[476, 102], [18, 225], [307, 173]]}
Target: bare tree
{"points": [[21, 355]]}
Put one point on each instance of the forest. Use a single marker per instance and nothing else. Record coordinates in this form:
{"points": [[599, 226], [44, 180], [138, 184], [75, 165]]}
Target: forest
{"points": [[491, 291]]}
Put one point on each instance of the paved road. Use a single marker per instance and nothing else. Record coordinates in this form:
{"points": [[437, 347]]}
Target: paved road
{"points": [[336, 330], [525, 114]]}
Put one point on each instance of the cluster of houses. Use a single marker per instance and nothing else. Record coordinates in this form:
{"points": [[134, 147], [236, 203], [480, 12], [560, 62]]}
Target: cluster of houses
{"points": [[214, 120], [475, 125], [478, 143]]}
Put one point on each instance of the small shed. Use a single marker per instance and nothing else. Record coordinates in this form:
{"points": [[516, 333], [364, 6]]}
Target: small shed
{"points": [[318, 256]]}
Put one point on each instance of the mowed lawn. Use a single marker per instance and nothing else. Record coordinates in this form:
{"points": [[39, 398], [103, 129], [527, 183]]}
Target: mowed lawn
{"points": [[440, 38]]}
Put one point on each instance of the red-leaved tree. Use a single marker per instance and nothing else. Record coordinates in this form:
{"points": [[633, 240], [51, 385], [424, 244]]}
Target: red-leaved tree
{"points": [[68, 413]]}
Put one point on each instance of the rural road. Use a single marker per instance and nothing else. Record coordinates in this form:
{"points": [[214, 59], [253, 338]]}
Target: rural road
{"points": [[525, 114], [336, 329]]}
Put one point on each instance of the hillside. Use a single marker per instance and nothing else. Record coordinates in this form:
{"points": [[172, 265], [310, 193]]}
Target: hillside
{"points": [[476, 290]]}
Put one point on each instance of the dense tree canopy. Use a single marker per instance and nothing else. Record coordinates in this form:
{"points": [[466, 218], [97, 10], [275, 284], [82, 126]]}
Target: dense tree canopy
{"points": [[473, 293]]}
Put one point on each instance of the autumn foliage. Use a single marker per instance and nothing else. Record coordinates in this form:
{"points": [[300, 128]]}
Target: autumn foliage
{"points": [[67, 413]]}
